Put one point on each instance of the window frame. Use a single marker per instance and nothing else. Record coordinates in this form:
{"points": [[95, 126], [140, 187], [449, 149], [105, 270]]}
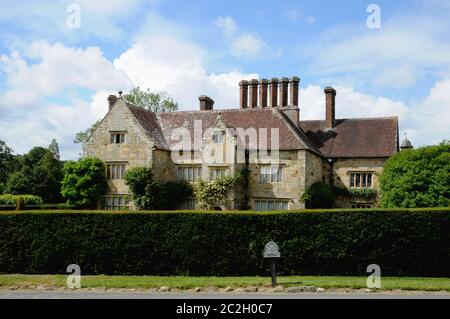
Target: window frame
{"points": [[117, 137], [276, 174], [361, 180], [270, 204], [216, 169], [194, 171], [220, 140], [116, 170], [117, 202]]}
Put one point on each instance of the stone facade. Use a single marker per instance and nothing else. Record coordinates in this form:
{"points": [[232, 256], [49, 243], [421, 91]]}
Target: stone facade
{"points": [[306, 154]]}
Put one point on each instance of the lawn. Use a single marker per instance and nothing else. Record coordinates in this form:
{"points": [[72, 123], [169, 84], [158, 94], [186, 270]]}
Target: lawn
{"points": [[387, 283]]}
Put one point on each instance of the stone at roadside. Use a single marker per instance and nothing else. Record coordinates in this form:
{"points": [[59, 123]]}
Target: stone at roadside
{"points": [[309, 289], [319, 290], [228, 289], [163, 289], [294, 290]]}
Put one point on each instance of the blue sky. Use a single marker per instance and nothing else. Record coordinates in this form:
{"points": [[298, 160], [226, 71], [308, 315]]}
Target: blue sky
{"points": [[54, 79]]}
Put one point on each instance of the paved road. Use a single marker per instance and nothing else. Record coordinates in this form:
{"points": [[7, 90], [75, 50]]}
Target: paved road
{"points": [[27, 294]]}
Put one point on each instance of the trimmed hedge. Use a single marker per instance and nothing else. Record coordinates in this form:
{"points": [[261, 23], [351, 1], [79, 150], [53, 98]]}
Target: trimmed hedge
{"points": [[335, 242], [10, 200]]}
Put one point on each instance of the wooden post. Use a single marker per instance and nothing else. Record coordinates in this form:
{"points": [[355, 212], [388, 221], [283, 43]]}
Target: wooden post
{"points": [[272, 271]]}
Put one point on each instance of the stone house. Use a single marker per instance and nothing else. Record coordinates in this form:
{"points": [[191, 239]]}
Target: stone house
{"points": [[283, 154]]}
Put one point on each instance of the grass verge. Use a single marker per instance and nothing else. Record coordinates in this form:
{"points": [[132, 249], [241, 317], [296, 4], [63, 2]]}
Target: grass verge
{"points": [[387, 283]]}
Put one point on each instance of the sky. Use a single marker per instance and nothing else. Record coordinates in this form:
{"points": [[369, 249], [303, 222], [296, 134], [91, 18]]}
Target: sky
{"points": [[59, 60]]}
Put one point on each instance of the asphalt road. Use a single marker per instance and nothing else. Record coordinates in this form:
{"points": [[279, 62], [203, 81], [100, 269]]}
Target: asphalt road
{"points": [[27, 294]]}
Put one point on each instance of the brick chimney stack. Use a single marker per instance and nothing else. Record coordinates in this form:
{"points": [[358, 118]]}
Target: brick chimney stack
{"points": [[293, 88], [273, 92], [253, 103], [112, 99], [330, 106], [206, 103], [243, 96], [263, 93], [284, 92]]}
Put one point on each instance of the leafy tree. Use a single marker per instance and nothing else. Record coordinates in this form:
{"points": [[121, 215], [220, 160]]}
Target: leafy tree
{"points": [[319, 195], [417, 178], [83, 136], [40, 175], [84, 182], [8, 163], [155, 102], [54, 149], [151, 194]]}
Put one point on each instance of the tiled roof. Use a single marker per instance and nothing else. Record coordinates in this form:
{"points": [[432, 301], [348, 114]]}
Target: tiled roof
{"points": [[369, 137], [289, 137]]}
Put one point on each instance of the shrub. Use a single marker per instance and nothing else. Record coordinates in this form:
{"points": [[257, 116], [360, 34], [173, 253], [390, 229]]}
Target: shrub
{"points": [[84, 182], [10, 200], [217, 192], [417, 178], [319, 195], [151, 194], [402, 242]]}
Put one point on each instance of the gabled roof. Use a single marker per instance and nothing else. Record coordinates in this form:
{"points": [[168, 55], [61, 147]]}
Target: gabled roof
{"points": [[289, 137], [159, 126], [367, 137], [350, 138]]}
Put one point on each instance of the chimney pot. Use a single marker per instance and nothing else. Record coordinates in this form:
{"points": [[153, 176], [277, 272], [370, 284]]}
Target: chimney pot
{"points": [[294, 91], [112, 99], [253, 93], [206, 103], [263, 92], [330, 106], [273, 92], [243, 96], [284, 92]]}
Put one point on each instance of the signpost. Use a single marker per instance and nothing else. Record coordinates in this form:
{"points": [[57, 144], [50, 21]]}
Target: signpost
{"points": [[272, 252]]}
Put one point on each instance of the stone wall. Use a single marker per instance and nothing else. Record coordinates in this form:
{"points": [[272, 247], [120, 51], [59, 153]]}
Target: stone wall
{"points": [[135, 152], [341, 176]]}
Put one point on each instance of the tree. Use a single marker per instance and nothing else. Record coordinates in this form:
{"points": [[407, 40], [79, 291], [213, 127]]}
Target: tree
{"points": [[319, 195], [40, 175], [155, 102], [54, 149], [417, 178], [83, 136], [84, 182], [7, 163], [151, 194]]}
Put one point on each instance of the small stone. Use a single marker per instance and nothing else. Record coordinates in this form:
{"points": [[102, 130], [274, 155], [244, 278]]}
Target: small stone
{"points": [[294, 290], [367, 290], [41, 287], [164, 289], [309, 289], [319, 290], [211, 289], [228, 289]]}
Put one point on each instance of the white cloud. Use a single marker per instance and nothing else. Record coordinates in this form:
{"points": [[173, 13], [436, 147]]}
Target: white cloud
{"points": [[243, 44], [175, 66], [55, 71], [56, 67], [406, 49]]}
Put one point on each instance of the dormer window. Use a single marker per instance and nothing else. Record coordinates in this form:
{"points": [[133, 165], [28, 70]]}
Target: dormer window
{"points": [[217, 137], [117, 137]]}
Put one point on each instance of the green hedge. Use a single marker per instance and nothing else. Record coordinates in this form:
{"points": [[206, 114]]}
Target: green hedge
{"points": [[336, 242], [10, 200]]}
